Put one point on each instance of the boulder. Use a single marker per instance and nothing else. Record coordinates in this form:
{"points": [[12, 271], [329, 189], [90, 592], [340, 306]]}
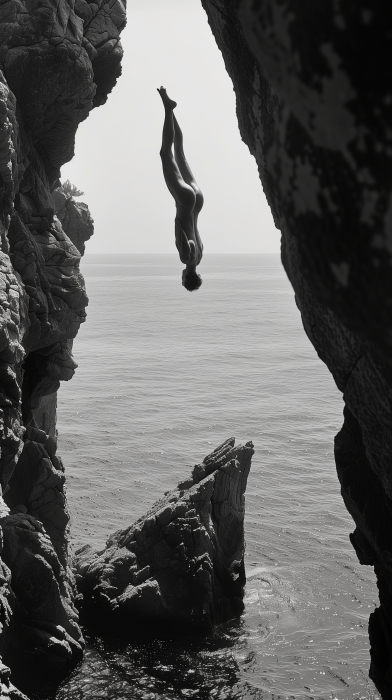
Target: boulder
{"points": [[181, 566]]}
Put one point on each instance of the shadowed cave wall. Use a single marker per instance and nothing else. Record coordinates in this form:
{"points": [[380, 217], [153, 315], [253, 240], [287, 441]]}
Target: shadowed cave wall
{"points": [[314, 107]]}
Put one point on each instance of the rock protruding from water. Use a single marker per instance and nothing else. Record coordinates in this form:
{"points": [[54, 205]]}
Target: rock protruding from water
{"points": [[183, 562]]}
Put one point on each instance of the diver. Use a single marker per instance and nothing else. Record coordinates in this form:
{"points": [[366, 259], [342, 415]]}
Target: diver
{"points": [[187, 195]]}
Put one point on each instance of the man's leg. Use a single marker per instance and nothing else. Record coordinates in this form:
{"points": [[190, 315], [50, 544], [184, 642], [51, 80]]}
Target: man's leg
{"points": [[183, 164], [168, 126], [182, 192]]}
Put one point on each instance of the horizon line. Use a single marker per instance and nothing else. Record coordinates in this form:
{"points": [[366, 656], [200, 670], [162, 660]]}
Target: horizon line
{"points": [[175, 254]]}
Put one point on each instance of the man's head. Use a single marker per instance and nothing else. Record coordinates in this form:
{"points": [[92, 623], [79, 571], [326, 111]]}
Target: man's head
{"points": [[191, 280]]}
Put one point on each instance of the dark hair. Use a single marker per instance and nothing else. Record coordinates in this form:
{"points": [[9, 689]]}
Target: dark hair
{"points": [[191, 281]]}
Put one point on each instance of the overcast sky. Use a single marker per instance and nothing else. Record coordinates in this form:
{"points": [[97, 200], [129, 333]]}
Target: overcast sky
{"points": [[117, 162]]}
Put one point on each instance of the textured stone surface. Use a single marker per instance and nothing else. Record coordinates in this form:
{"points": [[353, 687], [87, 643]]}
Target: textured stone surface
{"points": [[7, 605], [7, 689], [75, 219], [57, 61], [44, 624], [315, 109], [182, 565]]}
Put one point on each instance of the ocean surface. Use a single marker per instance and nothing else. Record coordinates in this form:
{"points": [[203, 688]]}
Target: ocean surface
{"points": [[164, 377]]}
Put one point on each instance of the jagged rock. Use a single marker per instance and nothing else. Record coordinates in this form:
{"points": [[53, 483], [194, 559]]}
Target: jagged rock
{"points": [[7, 604], [182, 565], [75, 219], [57, 61], [13, 324], [7, 689], [37, 485], [44, 628], [315, 109]]}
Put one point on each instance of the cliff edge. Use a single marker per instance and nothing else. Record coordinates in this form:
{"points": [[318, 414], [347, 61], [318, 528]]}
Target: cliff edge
{"points": [[315, 109]]}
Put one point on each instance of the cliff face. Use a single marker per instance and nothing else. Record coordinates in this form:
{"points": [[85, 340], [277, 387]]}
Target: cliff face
{"points": [[57, 62], [315, 109]]}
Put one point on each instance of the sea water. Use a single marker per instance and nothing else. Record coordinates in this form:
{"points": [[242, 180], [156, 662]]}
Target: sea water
{"points": [[164, 377]]}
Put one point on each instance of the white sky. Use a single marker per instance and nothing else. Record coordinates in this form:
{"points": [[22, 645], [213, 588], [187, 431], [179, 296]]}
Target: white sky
{"points": [[117, 163]]}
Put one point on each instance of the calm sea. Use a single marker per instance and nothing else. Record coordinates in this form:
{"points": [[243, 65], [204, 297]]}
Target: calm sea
{"points": [[165, 376]]}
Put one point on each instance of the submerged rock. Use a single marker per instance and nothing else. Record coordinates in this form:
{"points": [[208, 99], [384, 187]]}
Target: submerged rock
{"points": [[182, 564]]}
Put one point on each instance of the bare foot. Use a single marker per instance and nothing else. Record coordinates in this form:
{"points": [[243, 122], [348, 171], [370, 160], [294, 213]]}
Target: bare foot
{"points": [[166, 99]]}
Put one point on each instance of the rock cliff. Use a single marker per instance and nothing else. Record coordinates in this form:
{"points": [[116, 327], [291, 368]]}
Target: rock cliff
{"points": [[57, 62], [315, 109], [182, 565]]}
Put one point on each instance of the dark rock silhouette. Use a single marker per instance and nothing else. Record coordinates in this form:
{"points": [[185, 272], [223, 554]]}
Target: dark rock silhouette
{"points": [[44, 624], [57, 62], [182, 564], [315, 110]]}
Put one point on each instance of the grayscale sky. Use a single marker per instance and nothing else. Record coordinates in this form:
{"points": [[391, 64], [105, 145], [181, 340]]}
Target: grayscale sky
{"points": [[117, 163]]}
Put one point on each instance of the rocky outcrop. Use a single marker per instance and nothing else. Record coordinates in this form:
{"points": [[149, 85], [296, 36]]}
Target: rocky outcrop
{"points": [[57, 62], [75, 219], [44, 625], [314, 107], [181, 565]]}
